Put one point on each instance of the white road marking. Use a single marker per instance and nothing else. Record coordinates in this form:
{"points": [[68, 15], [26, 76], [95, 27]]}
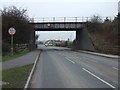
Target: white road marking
{"points": [[115, 68], [70, 60], [31, 73], [98, 78]]}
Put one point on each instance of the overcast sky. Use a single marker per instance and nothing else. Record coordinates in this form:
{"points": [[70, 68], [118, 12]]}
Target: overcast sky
{"points": [[57, 35], [64, 8]]}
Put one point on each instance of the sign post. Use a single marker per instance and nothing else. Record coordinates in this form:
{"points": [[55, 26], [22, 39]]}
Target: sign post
{"points": [[12, 31]]}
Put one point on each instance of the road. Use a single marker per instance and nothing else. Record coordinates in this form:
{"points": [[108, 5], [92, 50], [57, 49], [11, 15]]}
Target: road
{"points": [[62, 68]]}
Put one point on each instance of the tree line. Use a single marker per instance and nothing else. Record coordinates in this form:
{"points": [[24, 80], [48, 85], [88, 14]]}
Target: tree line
{"points": [[17, 18]]}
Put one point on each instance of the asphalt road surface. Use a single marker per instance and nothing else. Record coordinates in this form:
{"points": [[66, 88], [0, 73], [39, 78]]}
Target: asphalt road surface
{"points": [[62, 68]]}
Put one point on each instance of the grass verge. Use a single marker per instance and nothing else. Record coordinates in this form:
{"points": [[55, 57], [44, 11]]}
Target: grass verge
{"points": [[9, 57], [16, 77]]}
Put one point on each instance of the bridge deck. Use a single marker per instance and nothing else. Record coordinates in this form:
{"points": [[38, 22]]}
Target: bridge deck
{"points": [[58, 26]]}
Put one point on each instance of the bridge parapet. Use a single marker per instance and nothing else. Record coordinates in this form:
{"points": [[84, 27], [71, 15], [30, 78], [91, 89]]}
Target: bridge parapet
{"points": [[67, 19], [61, 22], [59, 25]]}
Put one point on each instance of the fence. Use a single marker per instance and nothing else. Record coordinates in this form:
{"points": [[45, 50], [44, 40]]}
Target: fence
{"points": [[20, 47]]}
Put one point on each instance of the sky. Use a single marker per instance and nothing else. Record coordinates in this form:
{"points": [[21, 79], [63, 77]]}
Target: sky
{"points": [[119, 7], [56, 35], [64, 8]]}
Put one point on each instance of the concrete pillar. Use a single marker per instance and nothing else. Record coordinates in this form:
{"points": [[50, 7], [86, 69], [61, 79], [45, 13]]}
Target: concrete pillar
{"points": [[32, 41], [83, 40]]}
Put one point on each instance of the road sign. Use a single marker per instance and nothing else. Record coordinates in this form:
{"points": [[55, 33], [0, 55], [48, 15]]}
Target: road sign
{"points": [[12, 31]]}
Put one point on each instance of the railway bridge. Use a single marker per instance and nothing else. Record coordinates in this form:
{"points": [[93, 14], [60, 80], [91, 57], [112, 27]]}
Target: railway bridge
{"points": [[64, 24]]}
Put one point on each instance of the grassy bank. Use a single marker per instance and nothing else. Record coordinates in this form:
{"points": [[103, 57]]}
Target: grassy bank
{"points": [[16, 77], [102, 46], [9, 57]]}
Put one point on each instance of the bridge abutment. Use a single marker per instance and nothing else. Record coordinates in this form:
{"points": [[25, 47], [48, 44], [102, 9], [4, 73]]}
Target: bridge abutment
{"points": [[83, 40], [32, 41]]}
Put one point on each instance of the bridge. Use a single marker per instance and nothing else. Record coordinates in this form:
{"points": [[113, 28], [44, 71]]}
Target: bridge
{"points": [[65, 24]]}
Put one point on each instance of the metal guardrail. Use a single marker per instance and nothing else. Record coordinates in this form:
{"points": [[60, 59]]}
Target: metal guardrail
{"points": [[64, 19]]}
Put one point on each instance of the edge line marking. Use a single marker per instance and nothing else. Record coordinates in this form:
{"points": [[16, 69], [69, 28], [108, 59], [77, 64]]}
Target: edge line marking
{"points": [[98, 78]]}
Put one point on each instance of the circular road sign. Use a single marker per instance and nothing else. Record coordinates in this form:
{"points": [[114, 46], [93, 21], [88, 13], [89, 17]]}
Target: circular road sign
{"points": [[11, 31]]}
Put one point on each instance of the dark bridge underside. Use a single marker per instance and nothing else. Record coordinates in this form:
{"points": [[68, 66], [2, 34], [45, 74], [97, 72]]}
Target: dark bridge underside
{"points": [[58, 26], [83, 40]]}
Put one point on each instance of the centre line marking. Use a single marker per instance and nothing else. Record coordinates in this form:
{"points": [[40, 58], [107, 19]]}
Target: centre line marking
{"points": [[98, 78], [70, 60]]}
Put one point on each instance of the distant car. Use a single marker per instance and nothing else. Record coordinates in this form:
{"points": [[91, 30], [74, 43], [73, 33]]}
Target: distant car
{"points": [[45, 45]]}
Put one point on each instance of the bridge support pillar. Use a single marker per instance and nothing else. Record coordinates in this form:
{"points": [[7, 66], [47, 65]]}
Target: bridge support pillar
{"points": [[32, 41], [83, 40]]}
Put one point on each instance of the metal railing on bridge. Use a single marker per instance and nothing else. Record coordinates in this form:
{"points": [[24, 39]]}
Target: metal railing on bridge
{"points": [[64, 19], [62, 22], [59, 19]]}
